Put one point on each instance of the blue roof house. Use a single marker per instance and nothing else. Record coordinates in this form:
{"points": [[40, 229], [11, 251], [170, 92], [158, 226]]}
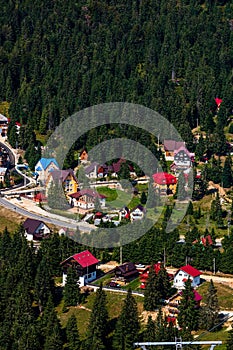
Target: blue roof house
{"points": [[44, 167]]}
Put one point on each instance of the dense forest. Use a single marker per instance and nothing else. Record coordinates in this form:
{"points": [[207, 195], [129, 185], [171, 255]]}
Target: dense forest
{"points": [[33, 304], [172, 56]]}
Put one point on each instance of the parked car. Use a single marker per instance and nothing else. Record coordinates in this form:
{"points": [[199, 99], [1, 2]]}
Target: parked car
{"points": [[114, 284]]}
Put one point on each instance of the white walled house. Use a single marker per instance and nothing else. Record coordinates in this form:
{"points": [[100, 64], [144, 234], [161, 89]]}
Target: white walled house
{"points": [[35, 230], [85, 265], [183, 274], [85, 200]]}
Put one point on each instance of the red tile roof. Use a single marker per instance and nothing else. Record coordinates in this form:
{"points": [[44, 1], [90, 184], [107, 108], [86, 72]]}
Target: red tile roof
{"points": [[190, 270], [164, 179], [85, 258]]}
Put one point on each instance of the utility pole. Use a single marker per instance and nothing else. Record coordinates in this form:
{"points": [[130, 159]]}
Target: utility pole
{"points": [[121, 255], [164, 257], [214, 267]]}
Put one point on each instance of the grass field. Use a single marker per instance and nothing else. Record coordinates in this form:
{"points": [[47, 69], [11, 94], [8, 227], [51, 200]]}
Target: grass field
{"points": [[114, 304], [117, 199], [225, 294], [10, 219]]}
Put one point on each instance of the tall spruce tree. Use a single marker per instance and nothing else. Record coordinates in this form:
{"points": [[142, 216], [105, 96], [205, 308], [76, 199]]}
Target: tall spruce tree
{"points": [[149, 333], [127, 328], [151, 295], [71, 290], [227, 179], [98, 324], [72, 334], [51, 331], [209, 313], [188, 315], [229, 342], [163, 284], [44, 284]]}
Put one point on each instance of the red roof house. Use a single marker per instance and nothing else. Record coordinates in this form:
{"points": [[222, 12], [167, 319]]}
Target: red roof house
{"points": [[164, 179], [84, 264], [164, 182], [185, 272]]}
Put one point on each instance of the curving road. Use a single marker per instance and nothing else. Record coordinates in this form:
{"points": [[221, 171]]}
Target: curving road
{"points": [[51, 218]]}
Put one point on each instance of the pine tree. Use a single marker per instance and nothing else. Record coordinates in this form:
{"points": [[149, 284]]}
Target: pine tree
{"points": [[44, 284], [188, 315], [71, 290], [151, 295], [230, 339], [127, 328], [227, 179], [50, 327], [72, 334], [98, 324], [163, 284], [209, 313], [149, 333], [143, 198]]}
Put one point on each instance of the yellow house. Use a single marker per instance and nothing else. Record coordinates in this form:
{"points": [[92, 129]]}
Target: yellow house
{"points": [[66, 177]]}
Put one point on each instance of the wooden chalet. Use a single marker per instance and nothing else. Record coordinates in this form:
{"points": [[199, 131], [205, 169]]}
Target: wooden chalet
{"points": [[84, 263], [126, 272]]}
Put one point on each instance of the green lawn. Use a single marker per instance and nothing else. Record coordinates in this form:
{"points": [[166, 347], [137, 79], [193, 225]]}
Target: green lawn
{"points": [[225, 294], [212, 336], [117, 199], [105, 279], [114, 305]]}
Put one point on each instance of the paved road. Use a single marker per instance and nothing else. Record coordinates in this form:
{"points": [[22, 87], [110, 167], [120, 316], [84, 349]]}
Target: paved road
{"points": [[49, 218]]}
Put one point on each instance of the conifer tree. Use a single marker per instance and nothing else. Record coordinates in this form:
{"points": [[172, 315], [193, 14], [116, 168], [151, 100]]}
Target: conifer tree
{"points": [[227, 179], [44, 284], [72, 334], [151, 295], [71, 290], [230, 339], [149, 333], [98, 324], [127, 328], [163, 285], [50, 327], [143, 198], [188, 315], [209, 313]]}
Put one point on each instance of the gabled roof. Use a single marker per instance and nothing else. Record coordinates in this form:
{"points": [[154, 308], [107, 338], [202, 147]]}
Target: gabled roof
{"points": [[140, 207], [127, 269], [45, 162], [61, 175], [190, 270], [218, 101], [85, 259], [3, 118], [91, 167], [87, 192], [183, 148], [164, 178], [30, 225], [171, 145]]}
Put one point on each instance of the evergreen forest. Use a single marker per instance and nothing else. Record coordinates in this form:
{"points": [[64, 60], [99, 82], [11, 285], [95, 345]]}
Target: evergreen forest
{"points": [[59, 57]]}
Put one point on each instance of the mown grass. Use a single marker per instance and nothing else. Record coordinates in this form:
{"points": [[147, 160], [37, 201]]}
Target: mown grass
{"points": [[222, 335], [117, 199], [224, 293], [115, 303]]}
